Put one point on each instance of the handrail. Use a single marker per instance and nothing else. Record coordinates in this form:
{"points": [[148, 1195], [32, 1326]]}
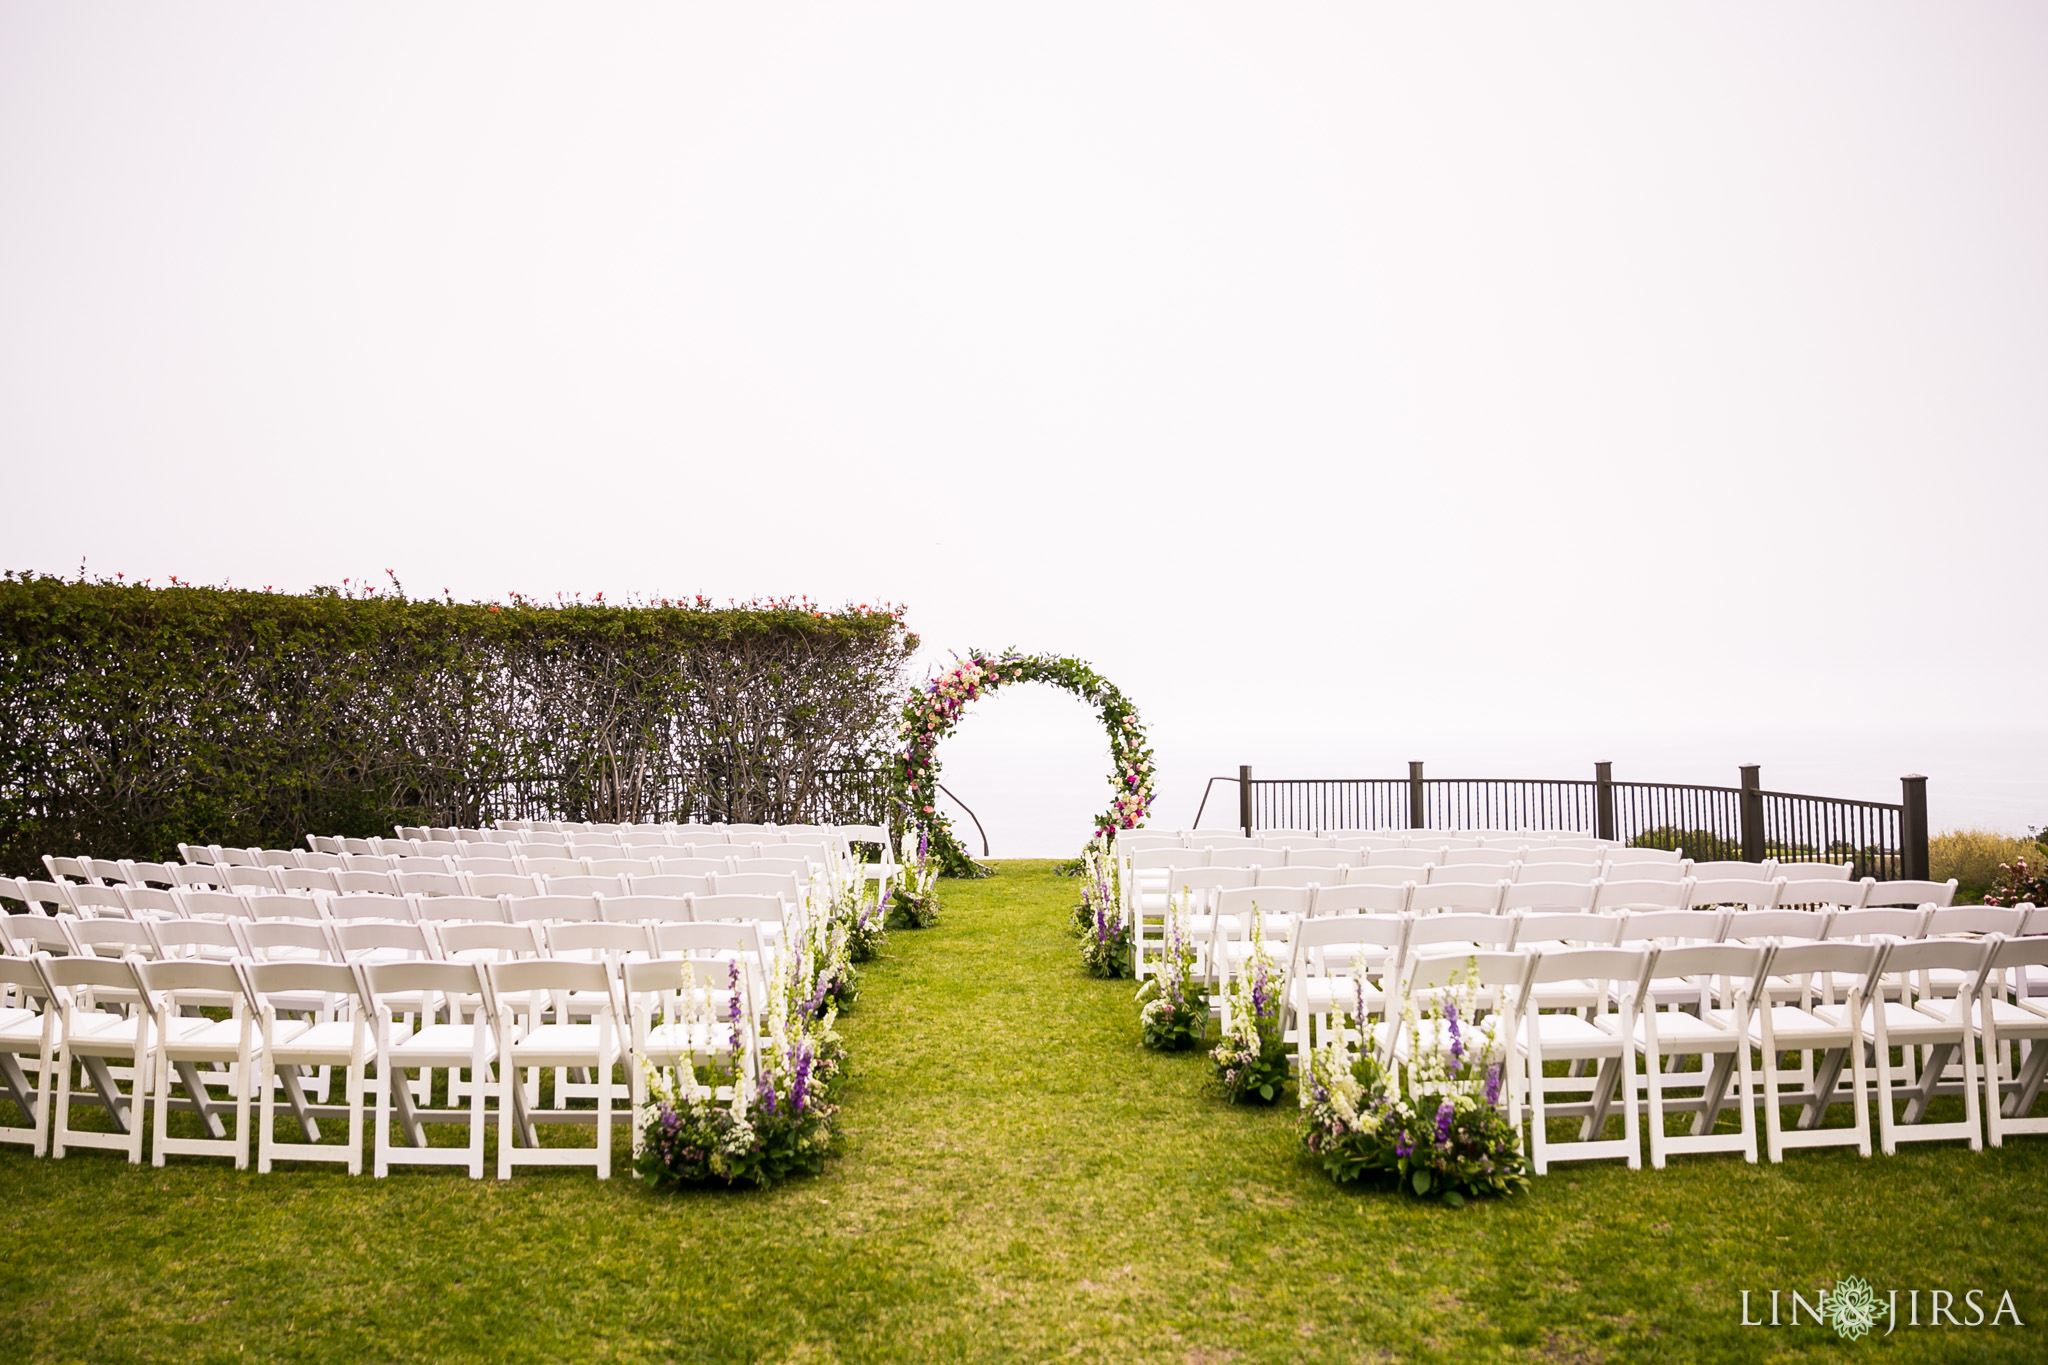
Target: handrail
{"points": [[1205, 798], [972, 816]]}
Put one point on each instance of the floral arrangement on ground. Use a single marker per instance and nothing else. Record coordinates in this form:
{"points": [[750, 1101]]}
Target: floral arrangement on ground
{"points": [[756, 1105], [1101, 918], [1251, 1059], [1173, 1002], [914, 903], [1431, 1127]]}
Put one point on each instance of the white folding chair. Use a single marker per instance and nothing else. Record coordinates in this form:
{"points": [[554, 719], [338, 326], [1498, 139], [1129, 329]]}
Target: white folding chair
{"points": [[453, 1045], [1426, 973], [1280, 909], [1825, 1032], [640, 909], [1602, 1033], [1731, 870], [185, 1042], [1324, 857], [1717, 1035], [1482, 898], [1292, 875], [1548, 897], [91, 1037], [2010, 1020], [463, 909], [528, 1041], [28, 1028], [1942, 1026], [1362, 899], [336, 1037], [1812, 871], [1387, 875], [1821, 893], [1341, 965], [1739, 893], [535, 909], [1940, 895], [1635, 894]]}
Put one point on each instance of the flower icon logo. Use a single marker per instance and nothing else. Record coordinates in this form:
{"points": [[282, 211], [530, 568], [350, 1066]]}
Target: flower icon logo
{"points": [[1853, 1307]]}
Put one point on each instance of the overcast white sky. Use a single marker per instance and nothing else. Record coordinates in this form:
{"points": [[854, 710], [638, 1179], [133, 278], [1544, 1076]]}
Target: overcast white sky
{"points": [[1504, 386]]}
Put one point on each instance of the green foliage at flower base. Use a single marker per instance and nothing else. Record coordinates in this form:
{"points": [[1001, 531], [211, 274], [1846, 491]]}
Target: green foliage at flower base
{"points": [[909, 910], [1391, 1145], [704, 1142]]}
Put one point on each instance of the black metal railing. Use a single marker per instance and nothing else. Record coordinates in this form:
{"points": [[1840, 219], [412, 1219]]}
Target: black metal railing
{"points": [[1744, 822]]}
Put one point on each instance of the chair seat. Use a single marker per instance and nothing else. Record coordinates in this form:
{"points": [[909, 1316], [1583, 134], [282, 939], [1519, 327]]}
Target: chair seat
{"points": [[20, 1024], [1566, 994], [1678, 1032], [561, 1044], [95, 1034], [2012, 1020], [331, 1043], [1569, 1034], [203, 1040], [1798, 1028], [1905, 1024], [441, 1045]]}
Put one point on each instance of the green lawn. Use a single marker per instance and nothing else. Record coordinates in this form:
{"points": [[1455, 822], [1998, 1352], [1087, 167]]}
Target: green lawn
{"points": [[1020, 1180]]}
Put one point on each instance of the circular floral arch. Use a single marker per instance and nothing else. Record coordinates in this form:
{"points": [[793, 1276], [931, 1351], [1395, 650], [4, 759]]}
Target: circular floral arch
{"points": [[933, 712]]}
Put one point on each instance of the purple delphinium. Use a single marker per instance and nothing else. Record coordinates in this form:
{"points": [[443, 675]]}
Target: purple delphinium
{"points": [[1457, 1038], [732, 1008], [1493, 1084], [815, 1006], [800, 1057], [1402, 1146], [1444, 1114]]}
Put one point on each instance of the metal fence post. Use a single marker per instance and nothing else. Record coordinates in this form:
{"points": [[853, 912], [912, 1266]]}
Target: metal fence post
{"points": [[1752, 813], [1244, 798], [1603, 800], [1913, 828], [1418, 805]]}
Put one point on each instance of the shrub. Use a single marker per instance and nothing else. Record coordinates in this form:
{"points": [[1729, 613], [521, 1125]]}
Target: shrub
{"points": [[135, 718], [1974, 857]]}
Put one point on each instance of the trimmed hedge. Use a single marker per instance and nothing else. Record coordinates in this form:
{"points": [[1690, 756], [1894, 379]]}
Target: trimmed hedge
{"points": [[133, 718]]}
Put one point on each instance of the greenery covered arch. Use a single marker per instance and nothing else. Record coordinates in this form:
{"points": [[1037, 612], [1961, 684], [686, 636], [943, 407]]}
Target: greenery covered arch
{"points": [[932, 712]]}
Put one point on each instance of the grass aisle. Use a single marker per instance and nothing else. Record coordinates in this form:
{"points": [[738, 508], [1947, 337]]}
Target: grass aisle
{"points": [[1020, 1181]]}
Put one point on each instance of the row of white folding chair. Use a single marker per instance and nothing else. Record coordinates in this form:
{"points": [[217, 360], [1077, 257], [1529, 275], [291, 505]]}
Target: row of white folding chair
{"points": [[154, 1035], [684, 834], [763, 876], [1523, 927], [778, 913], [1567, 865], [1363, 839], [1610, 1012], [631, 921], [1603, 894]]}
